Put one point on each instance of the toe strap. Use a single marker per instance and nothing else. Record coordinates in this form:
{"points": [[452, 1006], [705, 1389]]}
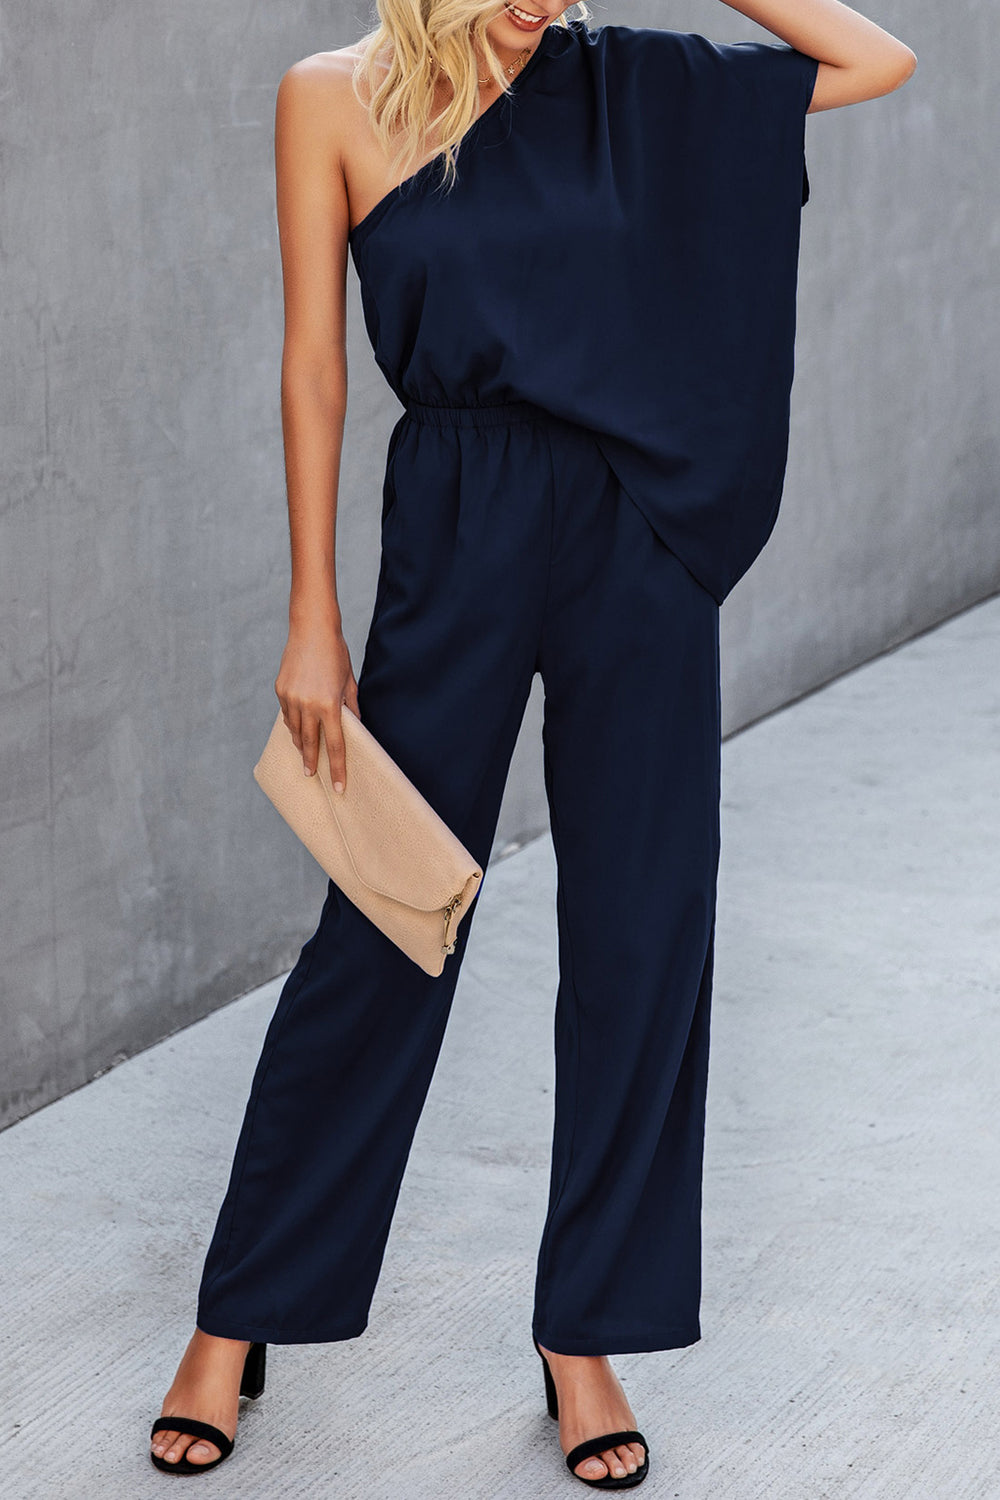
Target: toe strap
{"points": [[193, 1428], [593, 1446]]}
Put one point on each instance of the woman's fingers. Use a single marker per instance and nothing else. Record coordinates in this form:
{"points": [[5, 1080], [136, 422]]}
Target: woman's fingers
{"points": [[303, 722], [309, 737], [293, 721], [335, 748], [351, 696], [313, 683]]}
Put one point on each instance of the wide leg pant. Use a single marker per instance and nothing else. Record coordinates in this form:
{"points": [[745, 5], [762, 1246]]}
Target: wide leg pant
{"points": [[508, 548]]}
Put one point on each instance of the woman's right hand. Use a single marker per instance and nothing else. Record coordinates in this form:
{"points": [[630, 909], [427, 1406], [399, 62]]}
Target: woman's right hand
{"points": [[314, 679]]}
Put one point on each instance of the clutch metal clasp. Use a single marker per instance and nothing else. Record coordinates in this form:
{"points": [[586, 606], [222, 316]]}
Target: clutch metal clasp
{"points": [[449, 911]]}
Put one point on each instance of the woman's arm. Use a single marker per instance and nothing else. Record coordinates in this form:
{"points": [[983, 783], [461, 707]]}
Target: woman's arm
{"points": [[857, 59], [315, 675]]}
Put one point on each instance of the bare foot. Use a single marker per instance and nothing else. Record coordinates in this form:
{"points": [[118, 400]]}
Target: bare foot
{"points": [[591, 1401], [207, 1388]]}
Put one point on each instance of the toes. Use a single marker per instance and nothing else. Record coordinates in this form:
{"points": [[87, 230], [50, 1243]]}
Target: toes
{"points": [[202, 1452], [591, 1468], [628, 1458], [175, 1449], [173, 1446], [178, 1448], [614, 1463]]}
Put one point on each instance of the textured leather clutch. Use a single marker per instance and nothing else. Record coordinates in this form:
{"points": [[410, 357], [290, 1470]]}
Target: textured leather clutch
{"points": [[379, 840]]}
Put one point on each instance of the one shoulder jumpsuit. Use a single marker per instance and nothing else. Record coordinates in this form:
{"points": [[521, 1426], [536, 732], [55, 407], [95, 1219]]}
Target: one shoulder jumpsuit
{"points": [[591, 336]]}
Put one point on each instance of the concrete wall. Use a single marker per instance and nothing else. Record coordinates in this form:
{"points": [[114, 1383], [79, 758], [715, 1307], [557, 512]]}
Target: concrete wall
{"points": [[143, 553], [890, 519]]}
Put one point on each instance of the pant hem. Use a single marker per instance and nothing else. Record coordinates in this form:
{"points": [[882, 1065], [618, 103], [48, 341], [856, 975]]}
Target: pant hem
{"points": [[260, 1333], [647, 1342]]}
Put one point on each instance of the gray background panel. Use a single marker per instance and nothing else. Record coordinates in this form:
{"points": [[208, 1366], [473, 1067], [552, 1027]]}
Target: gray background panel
{"points": [[143, 542]]}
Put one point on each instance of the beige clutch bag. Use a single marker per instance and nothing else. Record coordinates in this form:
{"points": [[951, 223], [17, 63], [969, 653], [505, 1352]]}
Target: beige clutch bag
{"points": [[379, 840]]}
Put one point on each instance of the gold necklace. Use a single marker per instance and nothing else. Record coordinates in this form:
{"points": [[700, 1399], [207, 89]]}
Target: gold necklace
{"points": [[521, 58]]}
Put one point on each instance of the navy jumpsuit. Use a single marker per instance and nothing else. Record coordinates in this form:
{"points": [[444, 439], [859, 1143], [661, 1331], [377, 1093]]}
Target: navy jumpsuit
{"points": [[591, 336]]}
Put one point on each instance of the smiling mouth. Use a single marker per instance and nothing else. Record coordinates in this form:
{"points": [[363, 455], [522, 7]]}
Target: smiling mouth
{"points": [[524, 17]]}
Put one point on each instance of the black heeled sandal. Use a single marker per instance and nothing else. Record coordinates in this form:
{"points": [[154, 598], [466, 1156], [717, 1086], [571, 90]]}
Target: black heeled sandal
{"points": [[593, 1447], [251, 1385]]}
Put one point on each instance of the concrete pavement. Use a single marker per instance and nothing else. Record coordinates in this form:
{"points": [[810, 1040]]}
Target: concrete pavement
{"points": [[850, 1317]]}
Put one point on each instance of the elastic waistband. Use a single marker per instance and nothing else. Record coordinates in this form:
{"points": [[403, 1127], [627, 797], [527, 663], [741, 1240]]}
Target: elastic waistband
{"points": [[500, 414]]}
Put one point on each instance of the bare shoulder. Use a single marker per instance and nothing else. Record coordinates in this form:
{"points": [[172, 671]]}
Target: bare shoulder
{"points": [[317, 92]]}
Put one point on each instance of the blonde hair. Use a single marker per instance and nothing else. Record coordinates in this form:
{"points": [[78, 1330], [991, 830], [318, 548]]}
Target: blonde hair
{"points": [[418, 41]]}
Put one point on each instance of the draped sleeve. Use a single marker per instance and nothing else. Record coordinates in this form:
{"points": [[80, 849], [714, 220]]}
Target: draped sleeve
{"points": [[717, 135]]}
